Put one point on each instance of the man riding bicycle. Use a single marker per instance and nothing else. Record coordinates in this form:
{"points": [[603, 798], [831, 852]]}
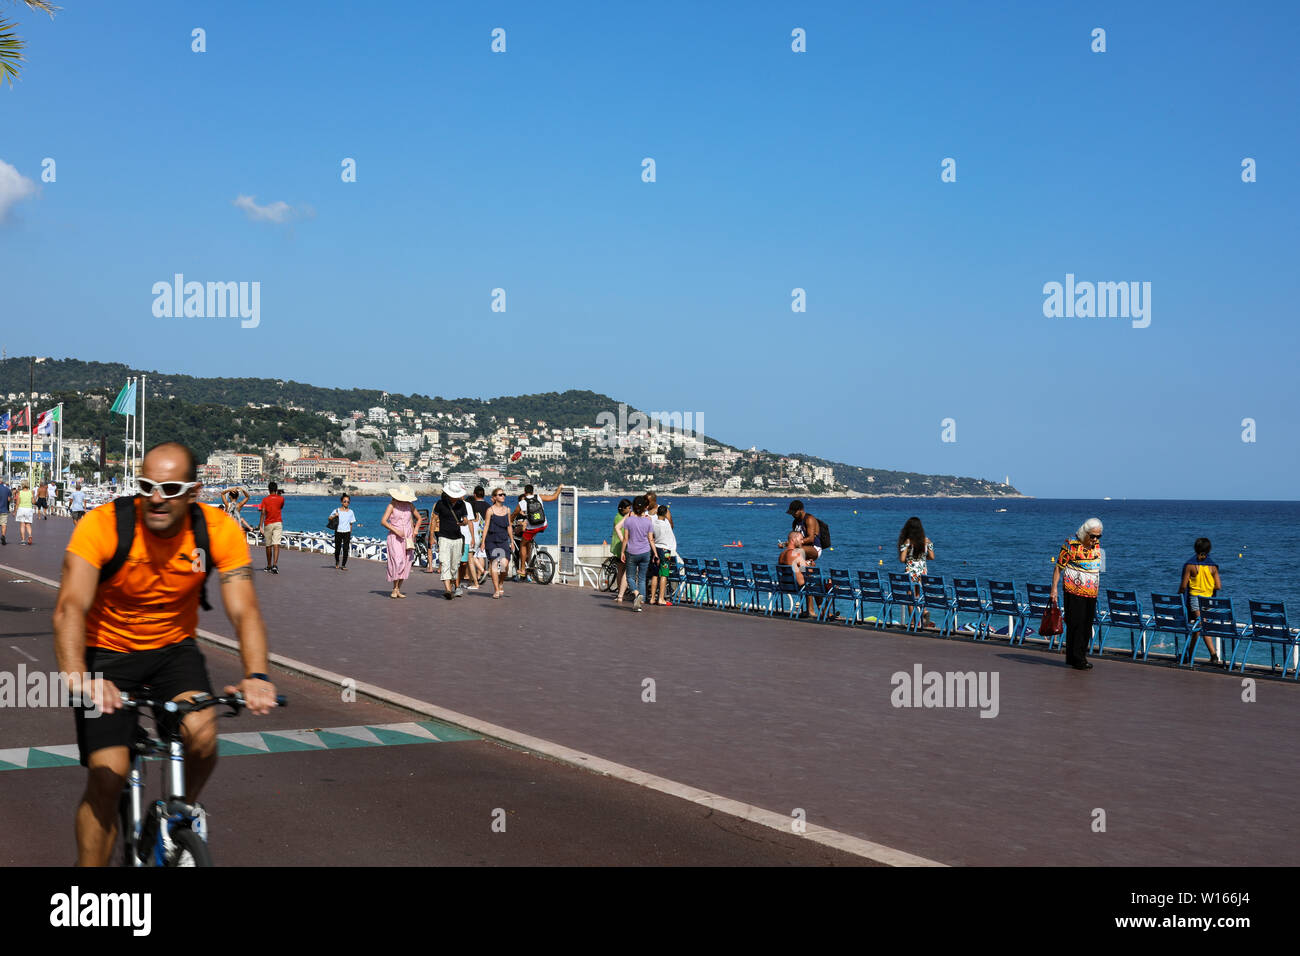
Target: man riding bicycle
{"points": [[134, 627]]}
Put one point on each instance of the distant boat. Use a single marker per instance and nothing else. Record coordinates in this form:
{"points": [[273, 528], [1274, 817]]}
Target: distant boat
{"points": [[1107, 498], [999, 510]]}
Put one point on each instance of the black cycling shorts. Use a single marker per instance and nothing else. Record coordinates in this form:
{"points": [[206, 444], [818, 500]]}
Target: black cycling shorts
{"points": [[167, 671]]}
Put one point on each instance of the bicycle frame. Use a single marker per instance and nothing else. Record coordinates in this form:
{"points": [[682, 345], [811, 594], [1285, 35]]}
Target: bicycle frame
{"points": [[150, 829], [171, 811]]}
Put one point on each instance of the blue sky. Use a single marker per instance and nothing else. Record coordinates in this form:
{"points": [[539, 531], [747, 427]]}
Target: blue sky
{"points": [[775, 170]]}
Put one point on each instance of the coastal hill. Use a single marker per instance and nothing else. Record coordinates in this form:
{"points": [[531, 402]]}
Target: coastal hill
{"points": [[430, 437]]}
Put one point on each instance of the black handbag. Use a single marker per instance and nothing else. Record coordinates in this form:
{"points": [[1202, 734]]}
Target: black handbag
{"points": [[333, 523]]}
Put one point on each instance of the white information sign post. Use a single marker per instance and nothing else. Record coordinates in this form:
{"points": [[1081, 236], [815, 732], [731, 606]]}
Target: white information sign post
{"points": [[568, 512]]}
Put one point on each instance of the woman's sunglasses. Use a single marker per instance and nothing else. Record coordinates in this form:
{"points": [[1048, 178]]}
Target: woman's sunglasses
{"points": [[168, 489]]}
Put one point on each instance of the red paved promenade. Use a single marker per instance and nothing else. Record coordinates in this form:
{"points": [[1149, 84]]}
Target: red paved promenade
{"points": [[786, 715]]}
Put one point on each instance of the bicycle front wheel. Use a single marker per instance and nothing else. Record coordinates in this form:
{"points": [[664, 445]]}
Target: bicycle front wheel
{"points": [[190, 849], [543, 567], [609, 574]]}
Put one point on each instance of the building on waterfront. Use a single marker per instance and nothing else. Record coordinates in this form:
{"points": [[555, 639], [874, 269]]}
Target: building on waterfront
{"points": [[232, 467], [369, 470], [310, 468]]}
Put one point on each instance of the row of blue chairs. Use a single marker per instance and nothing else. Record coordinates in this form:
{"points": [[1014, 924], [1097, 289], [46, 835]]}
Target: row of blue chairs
{"points": [[837, 596]]}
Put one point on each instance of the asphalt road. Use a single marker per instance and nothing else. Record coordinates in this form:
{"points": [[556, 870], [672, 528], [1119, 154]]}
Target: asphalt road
{"points": [[402, 804]]}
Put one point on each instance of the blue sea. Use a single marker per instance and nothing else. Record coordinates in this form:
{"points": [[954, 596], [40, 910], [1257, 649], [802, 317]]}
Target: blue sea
{"points": [[1146, 542]]}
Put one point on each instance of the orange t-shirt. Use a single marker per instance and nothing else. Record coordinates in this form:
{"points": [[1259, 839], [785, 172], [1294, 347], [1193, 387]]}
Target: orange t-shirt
{"points": [[153, 601]]}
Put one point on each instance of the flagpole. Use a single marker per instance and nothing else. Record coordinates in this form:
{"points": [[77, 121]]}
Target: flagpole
{"points": [[58, 462], [144, 395], [126, 442], [31, 431]]}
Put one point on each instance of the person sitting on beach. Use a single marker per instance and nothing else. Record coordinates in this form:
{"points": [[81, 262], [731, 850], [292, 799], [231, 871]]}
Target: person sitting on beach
{"points": [[1200, 581]]}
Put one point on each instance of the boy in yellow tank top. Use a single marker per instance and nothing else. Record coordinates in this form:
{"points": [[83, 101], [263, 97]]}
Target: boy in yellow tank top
{"points": [[1200, 580]]}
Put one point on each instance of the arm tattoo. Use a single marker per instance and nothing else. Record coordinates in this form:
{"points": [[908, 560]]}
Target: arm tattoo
{"points": [[237, 574]]}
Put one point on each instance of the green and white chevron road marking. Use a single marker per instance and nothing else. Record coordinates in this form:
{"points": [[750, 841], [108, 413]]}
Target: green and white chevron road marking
{"points": [[269, 742]]}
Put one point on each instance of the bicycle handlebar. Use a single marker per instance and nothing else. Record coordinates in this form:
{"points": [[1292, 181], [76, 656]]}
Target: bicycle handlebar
{"points": [[200, 702]]}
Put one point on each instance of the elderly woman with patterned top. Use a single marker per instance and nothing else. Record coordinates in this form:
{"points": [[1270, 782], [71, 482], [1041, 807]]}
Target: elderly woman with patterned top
{"points": [[1079, 563]]}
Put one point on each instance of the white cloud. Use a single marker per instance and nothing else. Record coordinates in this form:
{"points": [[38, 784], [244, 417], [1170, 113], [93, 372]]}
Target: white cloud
{"points": [[14, 188], [277, 212]]}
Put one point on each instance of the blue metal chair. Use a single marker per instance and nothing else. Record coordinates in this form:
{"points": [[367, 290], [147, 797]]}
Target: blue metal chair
{"points": [[1169, 616], [764, 584], [1268, 625], [1038, 597], [871, 591], [787, 586], [934, 597], [715, 581], [967, 599], [901, 597], [696, 586], [1219, 623], [741, 584], [1123, 610], [817, 589], [1004, 600], [841, 589]]}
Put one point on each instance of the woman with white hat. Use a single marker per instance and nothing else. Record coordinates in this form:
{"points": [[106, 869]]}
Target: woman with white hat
{"points": [[403, 523]]}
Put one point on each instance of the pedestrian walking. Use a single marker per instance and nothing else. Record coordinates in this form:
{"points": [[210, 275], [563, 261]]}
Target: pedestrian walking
{"points": [[6, 503], [452, 514], [617, 544], [271, 525], [403, 523], [346, 521], [661, 567], [640, 544], [25, 513], [76, 505], [1079, 563], [498, 543]]}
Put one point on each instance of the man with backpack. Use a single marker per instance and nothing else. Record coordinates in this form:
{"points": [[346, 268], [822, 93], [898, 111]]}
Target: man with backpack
{"points": [[134, 576], [816, 533], [530, 510]]}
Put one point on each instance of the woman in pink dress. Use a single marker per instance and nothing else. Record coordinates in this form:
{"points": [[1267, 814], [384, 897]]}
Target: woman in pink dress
{"points": [[403, 523]]}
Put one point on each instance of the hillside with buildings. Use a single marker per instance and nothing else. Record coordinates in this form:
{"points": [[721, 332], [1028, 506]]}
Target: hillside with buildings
{"points": [[299, 434]]}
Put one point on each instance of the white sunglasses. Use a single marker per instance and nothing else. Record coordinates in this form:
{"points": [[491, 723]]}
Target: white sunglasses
{"points": [[168, 489]]}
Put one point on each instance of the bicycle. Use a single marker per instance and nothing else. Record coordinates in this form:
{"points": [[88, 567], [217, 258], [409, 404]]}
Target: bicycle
{"points": [[609, 572], [174, 833], [541, 566]]}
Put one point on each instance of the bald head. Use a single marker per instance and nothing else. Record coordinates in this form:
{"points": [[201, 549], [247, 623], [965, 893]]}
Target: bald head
{"points": [[170, 461]]}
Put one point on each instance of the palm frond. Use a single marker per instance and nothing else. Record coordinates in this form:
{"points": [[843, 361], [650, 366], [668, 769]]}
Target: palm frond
{"points": [[11, 52], [43, 5]]}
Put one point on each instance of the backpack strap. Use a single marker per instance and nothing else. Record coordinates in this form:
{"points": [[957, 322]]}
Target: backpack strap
{"points": [[199, 525], [124, 511]]}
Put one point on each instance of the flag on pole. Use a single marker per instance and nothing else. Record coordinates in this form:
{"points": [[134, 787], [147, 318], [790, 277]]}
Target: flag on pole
{"points": [[4, 422], [124, 404], [46, 422], [20, 420]]}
